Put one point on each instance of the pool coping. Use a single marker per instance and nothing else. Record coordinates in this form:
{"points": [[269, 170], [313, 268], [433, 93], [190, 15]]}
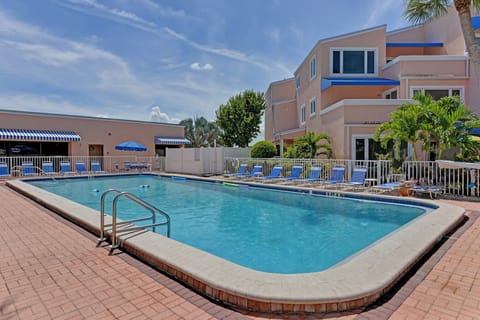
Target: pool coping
{"points": [[350, 285]]}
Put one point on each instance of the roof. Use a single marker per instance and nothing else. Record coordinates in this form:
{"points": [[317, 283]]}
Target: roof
{"points": [[328, 82], [414, 44]]}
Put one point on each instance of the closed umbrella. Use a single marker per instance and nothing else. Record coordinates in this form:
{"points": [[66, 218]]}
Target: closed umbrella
{"points": [[131, 146]]}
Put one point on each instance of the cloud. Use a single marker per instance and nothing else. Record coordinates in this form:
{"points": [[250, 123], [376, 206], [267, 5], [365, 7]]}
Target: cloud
{"points": [[197, 66], [379, 9], [113, 11], [158, 116], [274, 35]]}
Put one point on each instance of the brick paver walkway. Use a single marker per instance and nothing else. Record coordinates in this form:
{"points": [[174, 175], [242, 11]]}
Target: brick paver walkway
{"points": [[51, 269]]}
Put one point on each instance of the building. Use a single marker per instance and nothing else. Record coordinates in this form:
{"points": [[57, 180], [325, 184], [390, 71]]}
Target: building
{"points": [[348, 84], [43, 134]]}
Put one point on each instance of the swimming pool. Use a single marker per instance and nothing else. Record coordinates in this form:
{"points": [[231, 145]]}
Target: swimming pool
{"points": [[266, 230], [355, 282]]}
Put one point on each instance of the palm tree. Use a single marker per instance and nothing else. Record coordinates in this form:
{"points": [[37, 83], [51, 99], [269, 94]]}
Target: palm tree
{"points": [[310, 146], [200, 132], [405, 125], [420, 11], [446, 122]]}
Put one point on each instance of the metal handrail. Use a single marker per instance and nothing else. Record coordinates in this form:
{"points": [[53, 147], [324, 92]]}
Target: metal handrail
{"points": [[102, 215], [114, 223]]}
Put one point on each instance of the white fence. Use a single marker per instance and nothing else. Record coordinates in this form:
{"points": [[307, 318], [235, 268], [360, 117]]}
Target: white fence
{"points": [[455, 182], [108, 164], [197, 161]]}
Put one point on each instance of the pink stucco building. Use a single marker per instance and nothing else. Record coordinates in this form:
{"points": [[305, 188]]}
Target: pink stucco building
{"points": [[348, 84], [44, 134]]}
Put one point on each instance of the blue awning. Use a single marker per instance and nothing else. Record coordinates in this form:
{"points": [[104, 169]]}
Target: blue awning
{"points": [[414, 44], [38, 135], [328, 82], [171, 141], [476, 22]]}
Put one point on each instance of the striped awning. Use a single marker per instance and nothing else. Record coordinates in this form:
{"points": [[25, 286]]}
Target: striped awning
{"points": [[38, 135], [172, 141]]}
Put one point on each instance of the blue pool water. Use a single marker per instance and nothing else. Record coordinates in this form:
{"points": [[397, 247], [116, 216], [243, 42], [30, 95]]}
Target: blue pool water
{"points": [[262, 229]]}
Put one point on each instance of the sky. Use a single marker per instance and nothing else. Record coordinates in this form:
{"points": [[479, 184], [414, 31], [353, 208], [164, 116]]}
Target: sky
{"points": [[162, 60]]}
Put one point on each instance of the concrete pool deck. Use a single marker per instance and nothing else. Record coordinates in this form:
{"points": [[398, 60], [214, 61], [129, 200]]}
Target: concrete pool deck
{"points": [[285, 292]]}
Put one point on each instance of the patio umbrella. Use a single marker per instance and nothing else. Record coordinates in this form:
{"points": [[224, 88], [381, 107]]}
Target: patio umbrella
{"points": [[131, 146]]}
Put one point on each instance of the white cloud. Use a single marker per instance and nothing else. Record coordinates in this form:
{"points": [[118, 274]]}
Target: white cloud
{"points": [[274, 35], [197, 66], [114, 11], [156, 115], [379, 9]]}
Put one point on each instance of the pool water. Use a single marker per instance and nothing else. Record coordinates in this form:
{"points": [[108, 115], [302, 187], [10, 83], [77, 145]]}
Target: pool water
{"points": [[262, 229]]}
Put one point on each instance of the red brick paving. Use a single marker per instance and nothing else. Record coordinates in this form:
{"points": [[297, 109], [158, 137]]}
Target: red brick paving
{"points": [[51, 269]]}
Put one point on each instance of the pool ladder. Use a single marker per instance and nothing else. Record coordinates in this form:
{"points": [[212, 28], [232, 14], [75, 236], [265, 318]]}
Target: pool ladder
{"points": [[153, 210]]}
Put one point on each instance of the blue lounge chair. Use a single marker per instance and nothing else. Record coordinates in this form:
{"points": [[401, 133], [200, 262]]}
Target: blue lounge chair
{"points": [[28, 169], [242, 170], [357, 180], [336, 176], [313, 176], [256, 172], [81, 168], [294, 174], [47, 168], [388, 186], [432, 191], [4, 172], [274, 174], [65, 168], [96, 167]]}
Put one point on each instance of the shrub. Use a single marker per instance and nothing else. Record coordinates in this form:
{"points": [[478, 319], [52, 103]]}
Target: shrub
{"points": [[263, 149]]}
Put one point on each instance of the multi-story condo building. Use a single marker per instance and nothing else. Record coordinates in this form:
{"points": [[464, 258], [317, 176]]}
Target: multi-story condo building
{"points": [[347, 85]]}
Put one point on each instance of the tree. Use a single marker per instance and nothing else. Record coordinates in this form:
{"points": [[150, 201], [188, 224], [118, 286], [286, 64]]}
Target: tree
{"points": [[405, 125], [240, 118], [447, 122], [200, 132], [420, 11], [310, 146], [263, 149]]}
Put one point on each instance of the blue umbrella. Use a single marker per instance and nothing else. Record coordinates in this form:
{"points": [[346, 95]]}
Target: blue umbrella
{"points": [[131, 146]]}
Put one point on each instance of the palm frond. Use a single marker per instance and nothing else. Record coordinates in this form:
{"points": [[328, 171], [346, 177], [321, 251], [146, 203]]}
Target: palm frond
{"points": [[421, 11]]}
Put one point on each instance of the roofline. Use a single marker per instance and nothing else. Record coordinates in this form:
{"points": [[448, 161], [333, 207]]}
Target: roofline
{"points": [[58, 115], [341, 36], [279, 81], [405, 29]]}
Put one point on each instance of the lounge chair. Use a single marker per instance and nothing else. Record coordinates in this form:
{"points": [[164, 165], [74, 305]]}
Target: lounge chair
{"points": [[242, 170], [65, 168], [28, 169], [274, 174], [47, 168], [4, 172], [81, 168], [313, 176], [256, 172], [294, 174], [96, 167], [357, 180], [385, 187], [336, 176], [432, 191]]}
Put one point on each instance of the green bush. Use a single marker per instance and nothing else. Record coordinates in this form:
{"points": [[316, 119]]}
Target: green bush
{"points": [[263, 149]]}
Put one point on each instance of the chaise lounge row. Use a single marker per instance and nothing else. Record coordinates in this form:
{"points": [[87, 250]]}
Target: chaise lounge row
{"points": [[29, 169]]}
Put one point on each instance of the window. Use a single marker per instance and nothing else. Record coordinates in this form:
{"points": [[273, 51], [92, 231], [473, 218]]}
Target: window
{"points": [[313, 68], [297, 82], [312, 107], [392, 94], [302, 114], [345, 61], [438, 92]]}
